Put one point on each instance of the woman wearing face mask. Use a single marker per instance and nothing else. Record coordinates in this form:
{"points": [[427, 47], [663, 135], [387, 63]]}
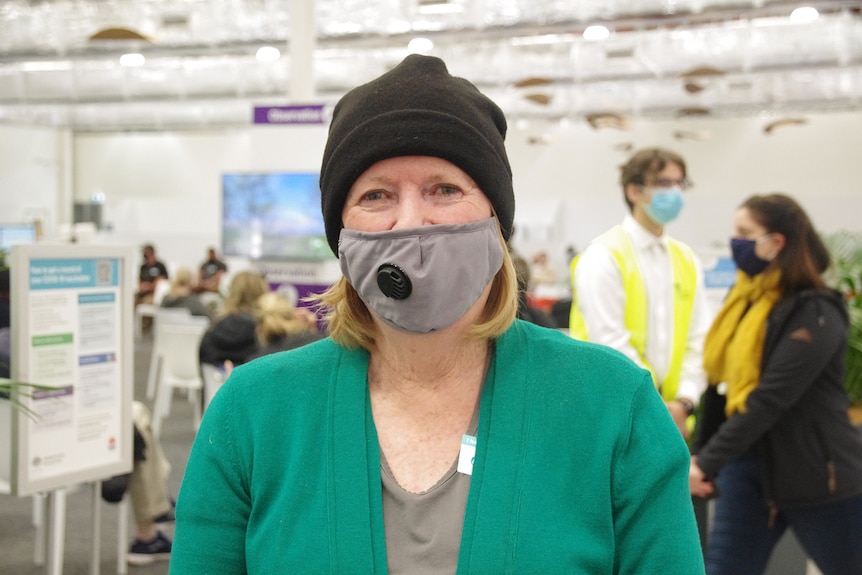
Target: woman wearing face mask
{"points": [[432, 432], [787, 454]]}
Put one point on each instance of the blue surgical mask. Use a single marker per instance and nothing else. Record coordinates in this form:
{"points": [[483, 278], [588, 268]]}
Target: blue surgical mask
{"points": [[665, 205], [422, 280], [745, 258]]}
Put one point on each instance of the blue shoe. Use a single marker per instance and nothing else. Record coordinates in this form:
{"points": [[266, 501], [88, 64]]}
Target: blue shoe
{"points": [[146, 552]]}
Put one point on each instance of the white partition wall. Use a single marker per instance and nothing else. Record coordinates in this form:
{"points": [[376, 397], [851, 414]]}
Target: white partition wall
{"points": [[35, 165], [166, 188]]}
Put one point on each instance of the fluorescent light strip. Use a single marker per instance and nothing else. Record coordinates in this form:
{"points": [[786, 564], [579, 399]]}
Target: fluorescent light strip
{"points": [[132, 60]]}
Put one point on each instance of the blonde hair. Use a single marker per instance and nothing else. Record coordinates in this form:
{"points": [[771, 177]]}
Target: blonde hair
{"points": [[245, 289], [181, 282], [351, 325], [276, 316]]}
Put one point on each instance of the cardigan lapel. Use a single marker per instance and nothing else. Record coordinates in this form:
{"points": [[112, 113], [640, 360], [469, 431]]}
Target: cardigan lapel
{"points": [[491, 517], [356, 516]]}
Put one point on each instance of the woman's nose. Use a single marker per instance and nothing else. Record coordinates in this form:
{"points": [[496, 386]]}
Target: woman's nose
{"points": [[412, 213]]}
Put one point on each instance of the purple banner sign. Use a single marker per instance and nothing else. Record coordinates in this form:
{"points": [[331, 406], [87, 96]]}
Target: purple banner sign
{"points": [[310, 114]]}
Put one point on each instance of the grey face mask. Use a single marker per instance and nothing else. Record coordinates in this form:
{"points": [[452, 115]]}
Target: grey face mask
{"points": [[421, 280]]}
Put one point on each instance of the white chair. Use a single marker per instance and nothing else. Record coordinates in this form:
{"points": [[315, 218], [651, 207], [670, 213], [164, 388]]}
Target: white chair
{"points": [[150, 310], [176, 345], [212, 300], [163, 287], [167, 314], [213, 380], [143, 310]]}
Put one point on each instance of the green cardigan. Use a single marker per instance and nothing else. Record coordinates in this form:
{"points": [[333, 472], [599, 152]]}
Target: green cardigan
{"points": [[578, 469]]}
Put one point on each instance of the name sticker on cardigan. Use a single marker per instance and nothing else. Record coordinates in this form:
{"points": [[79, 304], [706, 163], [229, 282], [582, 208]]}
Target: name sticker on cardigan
{"points": [[467, 455]]}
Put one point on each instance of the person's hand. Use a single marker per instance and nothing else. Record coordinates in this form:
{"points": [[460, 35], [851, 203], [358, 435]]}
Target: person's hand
{"points": [[227, 367], [697, 482], [680, 415]]}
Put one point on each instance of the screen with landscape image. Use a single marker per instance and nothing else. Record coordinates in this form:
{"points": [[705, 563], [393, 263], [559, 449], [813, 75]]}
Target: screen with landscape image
{"points": [[14, 234], [273, 216]]}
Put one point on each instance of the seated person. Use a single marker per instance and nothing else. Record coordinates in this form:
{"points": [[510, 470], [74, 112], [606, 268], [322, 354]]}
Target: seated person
{"points": [[211, 272], [232, 336], [152, 271], [282, 326], [181, 295], [149, 495]]}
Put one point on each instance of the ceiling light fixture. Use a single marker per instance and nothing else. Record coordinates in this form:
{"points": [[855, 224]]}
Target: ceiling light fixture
{"points": [[47, 66], [541, 39], [804, 14], [596, 32], [267, 54], [132, 60], [420, 46]]}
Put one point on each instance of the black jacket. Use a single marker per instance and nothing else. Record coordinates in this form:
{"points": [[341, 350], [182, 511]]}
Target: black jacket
{"points": [[230, 338], [796, 420], [288, 342]]}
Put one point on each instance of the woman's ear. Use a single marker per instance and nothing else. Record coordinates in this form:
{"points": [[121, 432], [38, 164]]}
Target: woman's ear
{"points": [[777, 241]]}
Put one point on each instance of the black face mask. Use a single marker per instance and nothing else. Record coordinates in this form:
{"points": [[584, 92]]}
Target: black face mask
{"points": [[745, 258]]}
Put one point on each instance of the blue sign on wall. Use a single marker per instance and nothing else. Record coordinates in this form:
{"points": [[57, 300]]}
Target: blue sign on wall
{"points": [[721, 275]]}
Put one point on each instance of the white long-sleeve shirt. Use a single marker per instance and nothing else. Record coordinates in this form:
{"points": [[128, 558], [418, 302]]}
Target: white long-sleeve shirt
{"points": [[601, 301]]}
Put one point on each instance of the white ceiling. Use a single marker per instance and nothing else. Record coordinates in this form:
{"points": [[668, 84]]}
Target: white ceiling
{"points": [[201, 72]]}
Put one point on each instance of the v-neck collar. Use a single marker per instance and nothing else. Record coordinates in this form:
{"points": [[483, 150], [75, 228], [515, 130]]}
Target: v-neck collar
{"points": [[357, 530]]}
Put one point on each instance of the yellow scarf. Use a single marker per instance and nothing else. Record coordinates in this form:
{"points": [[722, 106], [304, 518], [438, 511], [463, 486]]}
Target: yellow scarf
{"points": [[734, 345]]}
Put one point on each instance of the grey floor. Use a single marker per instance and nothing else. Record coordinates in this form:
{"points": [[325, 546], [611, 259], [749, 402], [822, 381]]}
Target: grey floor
{"points": [[17, 533]]}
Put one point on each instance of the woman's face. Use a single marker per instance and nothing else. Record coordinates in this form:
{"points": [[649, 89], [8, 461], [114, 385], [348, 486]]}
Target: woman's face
{"points": [[413, 191], [746, 227]]}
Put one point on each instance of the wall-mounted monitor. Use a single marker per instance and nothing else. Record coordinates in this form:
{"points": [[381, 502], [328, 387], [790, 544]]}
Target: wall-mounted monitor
{"points": [[14, 234], [273, 216]]}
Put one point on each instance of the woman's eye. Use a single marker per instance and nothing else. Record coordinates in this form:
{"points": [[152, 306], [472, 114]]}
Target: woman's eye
{"points": [[373, 196], [448, 190]]}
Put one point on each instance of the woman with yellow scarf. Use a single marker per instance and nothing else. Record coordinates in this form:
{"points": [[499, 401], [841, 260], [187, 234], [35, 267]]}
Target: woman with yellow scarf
{"points": [[786, 455]]}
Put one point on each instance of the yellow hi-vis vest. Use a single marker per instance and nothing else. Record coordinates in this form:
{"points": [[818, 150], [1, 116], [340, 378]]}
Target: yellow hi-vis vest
{"points": [[635, 314]]}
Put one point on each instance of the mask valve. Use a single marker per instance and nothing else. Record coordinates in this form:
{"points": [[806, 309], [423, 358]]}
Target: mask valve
{"points": [[393, 282]]}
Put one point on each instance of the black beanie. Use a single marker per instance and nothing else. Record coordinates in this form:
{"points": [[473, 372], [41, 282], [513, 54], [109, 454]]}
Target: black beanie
{"points": [[416, 109]]}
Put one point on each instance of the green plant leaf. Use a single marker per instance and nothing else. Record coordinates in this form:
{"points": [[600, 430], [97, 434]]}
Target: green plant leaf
{"points": [[845, 275], [12, 391]]}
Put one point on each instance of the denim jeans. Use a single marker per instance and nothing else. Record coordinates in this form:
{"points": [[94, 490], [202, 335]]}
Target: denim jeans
{"points": [[742, 539]]}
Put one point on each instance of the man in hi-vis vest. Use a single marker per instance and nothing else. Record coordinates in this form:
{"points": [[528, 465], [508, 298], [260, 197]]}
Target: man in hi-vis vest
{"points": [[641, 292]]}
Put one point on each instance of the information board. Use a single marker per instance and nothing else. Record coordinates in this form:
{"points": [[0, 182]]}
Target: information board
{"points": [[72, 332]]}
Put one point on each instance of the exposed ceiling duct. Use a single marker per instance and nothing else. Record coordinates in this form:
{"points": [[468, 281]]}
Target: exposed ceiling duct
{"points": [[60, 61]]}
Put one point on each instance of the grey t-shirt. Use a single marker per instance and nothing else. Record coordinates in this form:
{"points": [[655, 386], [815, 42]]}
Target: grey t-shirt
{"points": [[423, 530]]}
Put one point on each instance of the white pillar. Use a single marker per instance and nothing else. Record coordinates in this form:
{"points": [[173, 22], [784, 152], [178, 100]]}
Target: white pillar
{"points": [[302, 41]]}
